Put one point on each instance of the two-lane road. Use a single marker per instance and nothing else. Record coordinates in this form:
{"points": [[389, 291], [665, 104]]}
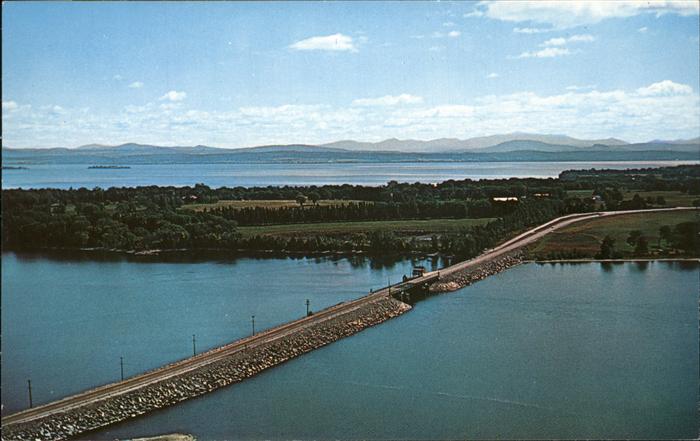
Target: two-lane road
{"points": [[206, 358]]}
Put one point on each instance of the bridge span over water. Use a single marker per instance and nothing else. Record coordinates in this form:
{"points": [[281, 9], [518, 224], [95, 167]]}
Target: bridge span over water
{"points": [[231, 363]]}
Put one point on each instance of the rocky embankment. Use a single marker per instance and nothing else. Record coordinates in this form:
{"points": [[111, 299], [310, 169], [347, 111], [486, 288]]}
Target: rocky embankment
{"points": [[218, 374], [460, 279], [168, 437]]}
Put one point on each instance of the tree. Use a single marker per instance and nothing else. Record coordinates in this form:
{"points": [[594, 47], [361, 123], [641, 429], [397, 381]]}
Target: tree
{"points": [[642, 246], [638, 202], [633, 237], [685, 237], [314, 197], [607, 248], [300, 198], [664, 234], [660, 200]]}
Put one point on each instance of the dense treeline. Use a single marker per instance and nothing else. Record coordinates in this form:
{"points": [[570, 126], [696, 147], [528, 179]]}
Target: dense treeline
{"points": [[354, 211], [145, 218], [680, 178], [128, 226], [684, 178], [125, 226]]}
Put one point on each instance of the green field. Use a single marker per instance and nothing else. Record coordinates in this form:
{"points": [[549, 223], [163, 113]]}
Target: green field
{"points": [[579, 193], [673, 198], [265, 203], [404, 227], [586, 237]]}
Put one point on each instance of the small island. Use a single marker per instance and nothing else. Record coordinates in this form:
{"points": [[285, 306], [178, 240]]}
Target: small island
{"points": [[109, 166], [13, 167]]}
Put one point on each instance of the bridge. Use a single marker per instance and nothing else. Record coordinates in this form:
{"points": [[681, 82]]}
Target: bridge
{"points": [[246, 357]]}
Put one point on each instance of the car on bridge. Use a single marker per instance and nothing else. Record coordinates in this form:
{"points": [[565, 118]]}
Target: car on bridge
{"points": [[418, 271]]}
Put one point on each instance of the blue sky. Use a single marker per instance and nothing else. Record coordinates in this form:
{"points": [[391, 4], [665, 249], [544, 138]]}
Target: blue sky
{"points": [[241, 74]]}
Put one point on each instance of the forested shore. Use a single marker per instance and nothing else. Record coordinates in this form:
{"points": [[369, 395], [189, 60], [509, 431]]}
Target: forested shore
{"points": [[142, 219]]}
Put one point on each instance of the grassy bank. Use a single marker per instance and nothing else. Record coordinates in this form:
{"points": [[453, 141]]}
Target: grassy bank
{"points": [[404, 228], [583, 240]]}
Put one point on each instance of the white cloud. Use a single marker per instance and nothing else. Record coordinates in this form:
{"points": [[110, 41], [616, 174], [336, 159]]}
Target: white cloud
{"points": [[585, 87], [9, 106], [664, 109], [335, 42], [174, 95], [136, 85], [448, 24], [389, 100], [117, 77], [169, 106], [286, 110], [665, 88], [492, 75], [643, 29], [474, 13], [531, 30], [561, 41], [590, 114], [582, 38], [451, 34], [568, 14], [556, 47], [448, 111], [548, 52], [138, 109]]}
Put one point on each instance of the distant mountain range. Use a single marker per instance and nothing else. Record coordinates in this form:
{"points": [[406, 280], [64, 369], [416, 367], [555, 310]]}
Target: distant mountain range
{"points": [[509, 147], [482, 142]]}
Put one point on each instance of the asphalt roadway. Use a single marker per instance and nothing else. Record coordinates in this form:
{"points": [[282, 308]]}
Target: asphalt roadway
{"points": [[205, 358]]}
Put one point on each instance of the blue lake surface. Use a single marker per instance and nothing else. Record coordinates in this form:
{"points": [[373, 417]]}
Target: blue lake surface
{"points": [[66, 322], [250, 174], [539, 351]]}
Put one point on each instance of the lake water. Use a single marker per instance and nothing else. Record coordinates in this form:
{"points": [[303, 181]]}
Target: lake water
{"points": [[66, 322], [250, 174], [539, 351]]}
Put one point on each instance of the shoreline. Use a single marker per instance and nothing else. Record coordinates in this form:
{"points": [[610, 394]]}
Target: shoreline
{"points": [[219, 253], [628, 259], [214, 254]]}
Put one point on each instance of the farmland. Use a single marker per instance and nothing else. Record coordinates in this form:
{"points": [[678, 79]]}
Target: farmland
{"points": [[584, 239], [671, 198], [401, 227]]}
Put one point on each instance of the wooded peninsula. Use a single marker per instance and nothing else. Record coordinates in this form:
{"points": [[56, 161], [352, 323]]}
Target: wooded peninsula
{"points": [[455, 217]]}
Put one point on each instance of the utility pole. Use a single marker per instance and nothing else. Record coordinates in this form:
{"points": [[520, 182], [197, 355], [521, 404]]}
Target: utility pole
{"points": [[29, 385], [252, 317], [194, 347], [121, 366], [307, 307]]}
